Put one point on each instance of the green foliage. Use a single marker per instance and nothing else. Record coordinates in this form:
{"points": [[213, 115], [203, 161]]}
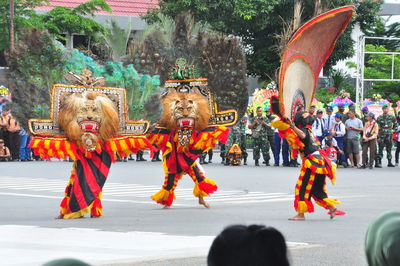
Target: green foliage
{"points": [[116, 39], [24, 16], [139, 88], [259, 22], [338, 81], [77, 20], [37, 64], [378, 66], [325, 95], [216, 56]]}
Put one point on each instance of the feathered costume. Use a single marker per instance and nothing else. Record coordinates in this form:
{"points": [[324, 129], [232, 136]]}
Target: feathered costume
{"points": [[302, 61], [91, 152], [190, 125], [181, 159]]}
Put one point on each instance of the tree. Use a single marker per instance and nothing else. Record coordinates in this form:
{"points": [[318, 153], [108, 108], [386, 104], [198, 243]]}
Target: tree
{"points": [[38, 63], [116, 39], [379, 66], [24, 16], [260, 22], [216, 56], [77, 20]]}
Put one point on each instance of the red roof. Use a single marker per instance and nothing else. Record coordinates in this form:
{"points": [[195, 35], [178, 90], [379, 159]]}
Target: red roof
{"points": [[131, 8]]}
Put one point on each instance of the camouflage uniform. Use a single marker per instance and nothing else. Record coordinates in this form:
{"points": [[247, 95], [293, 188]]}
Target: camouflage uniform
{"points": [[260, 139], [386, 125], [237, 135], [270, 135]]}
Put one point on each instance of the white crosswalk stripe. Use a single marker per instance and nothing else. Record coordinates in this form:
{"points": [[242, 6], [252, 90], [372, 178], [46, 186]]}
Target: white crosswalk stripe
{"points": [[119, 190]]}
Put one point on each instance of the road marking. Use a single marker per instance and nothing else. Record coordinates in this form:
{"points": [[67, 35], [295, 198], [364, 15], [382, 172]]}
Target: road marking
{"points": [[119, 192], [25, 245]]}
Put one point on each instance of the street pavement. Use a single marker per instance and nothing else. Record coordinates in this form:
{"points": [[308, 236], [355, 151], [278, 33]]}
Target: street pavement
{"points": [[136, 231]]}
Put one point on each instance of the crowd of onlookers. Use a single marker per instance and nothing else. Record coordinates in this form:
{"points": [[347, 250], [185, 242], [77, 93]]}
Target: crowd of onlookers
{"points": [[14, 140], [348, 135], [344, 136], [349, 139]]}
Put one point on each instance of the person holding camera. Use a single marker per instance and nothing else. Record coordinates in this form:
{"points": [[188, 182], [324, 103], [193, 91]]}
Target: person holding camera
{"points": [[370, 134], [353, 128], [258, 126]]}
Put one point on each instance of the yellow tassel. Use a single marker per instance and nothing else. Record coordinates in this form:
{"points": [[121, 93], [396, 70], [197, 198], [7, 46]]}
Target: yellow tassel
{"points": [[78, 214], [302, 207], [331, 202], [197, 192], [113, 145], [161, 195], [123, 144]]}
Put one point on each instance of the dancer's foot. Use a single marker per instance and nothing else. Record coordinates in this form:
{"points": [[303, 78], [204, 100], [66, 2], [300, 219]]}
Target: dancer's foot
{"points": [[332, 212], [61, 216], [204, 203], [166, 207], [298, 217], [94, 216]]}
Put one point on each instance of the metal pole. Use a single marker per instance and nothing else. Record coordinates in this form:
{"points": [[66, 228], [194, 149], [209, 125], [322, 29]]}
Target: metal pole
{"points": [[12, 26], [362, 68], [392, 66]]}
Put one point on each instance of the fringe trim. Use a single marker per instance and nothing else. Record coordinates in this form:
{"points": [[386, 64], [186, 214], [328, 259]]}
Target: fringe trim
{"points": [[59, 148], [286, 132], [205, 188], [208, 140], [126, 145], [164, 197]]}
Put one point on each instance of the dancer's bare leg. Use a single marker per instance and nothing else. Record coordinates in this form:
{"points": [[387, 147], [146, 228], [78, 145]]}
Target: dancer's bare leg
{"points": [[204, 203], [298, 217], [61, 216], [332, 212]]}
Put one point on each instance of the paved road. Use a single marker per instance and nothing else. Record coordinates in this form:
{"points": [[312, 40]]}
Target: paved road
{"points": [[136, 231]]}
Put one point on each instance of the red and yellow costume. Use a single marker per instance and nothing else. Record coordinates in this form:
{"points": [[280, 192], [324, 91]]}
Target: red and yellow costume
{"points": [[181, 159], [314, 168], [90, 169]]}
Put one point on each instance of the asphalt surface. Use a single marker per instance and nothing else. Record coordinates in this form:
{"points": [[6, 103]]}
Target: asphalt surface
{"points": [[30, 193]]}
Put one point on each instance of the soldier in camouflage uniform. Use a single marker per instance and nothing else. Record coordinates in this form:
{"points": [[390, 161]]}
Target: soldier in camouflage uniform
{"points": [[387, 123], [259, 125], [237, 135]]}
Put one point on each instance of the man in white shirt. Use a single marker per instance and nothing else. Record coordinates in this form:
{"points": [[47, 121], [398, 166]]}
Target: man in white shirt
{"points": [[338, 131], [318, 127], [329, 119]]}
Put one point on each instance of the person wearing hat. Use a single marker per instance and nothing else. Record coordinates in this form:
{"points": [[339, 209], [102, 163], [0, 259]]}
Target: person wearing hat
{"points": [[329, 119], [338, 132], [387, 123], [318, 127], [341, 110], [364, 112], [370, 134]]}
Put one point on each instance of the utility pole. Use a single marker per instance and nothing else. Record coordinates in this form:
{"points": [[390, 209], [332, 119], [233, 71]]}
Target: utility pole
{"points": [[12, 26]]}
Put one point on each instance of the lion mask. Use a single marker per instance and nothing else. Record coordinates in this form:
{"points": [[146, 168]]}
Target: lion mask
{"points": [[185, 110], [88, 117]]}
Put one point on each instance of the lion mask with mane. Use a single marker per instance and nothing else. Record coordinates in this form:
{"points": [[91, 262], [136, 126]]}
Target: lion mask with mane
{"points": [[87, 118], [189, 110]]}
